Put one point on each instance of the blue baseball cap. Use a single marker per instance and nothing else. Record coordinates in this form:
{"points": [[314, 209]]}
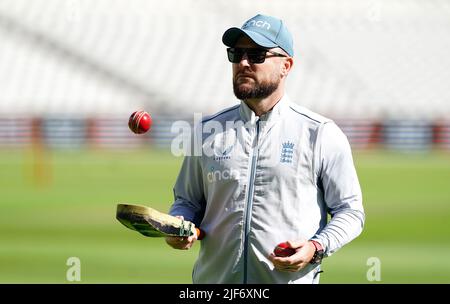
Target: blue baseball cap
{"points": [[265, 31]]}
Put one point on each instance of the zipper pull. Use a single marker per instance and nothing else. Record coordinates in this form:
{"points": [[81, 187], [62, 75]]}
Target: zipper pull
{"points": [[257, 132]]}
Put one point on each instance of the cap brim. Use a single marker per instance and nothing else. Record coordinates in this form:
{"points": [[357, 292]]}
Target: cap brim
{"points": [[232, 35]]}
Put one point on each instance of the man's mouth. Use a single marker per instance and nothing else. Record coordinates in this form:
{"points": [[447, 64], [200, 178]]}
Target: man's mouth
{"points": [[243, 76]]}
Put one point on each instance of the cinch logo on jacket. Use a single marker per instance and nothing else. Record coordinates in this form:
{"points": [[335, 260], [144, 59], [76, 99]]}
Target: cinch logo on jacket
{"points": [[217, 175]]}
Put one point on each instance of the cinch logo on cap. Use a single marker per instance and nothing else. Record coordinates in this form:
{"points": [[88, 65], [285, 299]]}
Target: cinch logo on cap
{"points": [[265, 31], [259, 23]]}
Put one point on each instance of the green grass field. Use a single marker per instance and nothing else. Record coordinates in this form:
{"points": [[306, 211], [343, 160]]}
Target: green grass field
{"points": [[70, 212]]}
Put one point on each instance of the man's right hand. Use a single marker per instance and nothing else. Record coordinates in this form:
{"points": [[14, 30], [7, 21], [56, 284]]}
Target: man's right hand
{"points": [[182, 243]]}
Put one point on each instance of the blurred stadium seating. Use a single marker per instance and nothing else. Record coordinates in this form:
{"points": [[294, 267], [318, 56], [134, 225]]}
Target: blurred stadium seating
{"points": [[379, 68]]}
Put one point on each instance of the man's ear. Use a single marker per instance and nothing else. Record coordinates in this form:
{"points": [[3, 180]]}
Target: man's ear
{"points": [[286, 66]]}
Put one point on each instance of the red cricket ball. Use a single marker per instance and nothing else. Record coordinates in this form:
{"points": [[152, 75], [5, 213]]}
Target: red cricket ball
{"points": [[140, 122], [283, 250]]}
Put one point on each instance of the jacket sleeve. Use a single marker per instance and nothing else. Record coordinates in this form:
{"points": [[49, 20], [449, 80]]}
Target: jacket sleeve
{"points": [[188, 191], [338, 180]]}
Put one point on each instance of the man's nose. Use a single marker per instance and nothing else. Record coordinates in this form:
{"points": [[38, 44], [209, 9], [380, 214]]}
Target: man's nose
{"points": [[244, 61]]}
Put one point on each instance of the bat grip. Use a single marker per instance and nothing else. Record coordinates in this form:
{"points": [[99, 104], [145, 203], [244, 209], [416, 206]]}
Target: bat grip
{"points": [[200, 234]]}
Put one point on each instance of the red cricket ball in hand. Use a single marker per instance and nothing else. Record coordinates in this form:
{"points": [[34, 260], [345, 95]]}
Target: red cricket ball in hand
{"points": [[283, 250], [140, 122]]}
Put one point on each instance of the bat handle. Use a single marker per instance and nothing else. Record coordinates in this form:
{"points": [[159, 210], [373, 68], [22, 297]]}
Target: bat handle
{"points": [[200, 234]]}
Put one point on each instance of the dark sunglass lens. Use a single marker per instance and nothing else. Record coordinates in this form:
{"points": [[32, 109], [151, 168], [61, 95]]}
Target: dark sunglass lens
{"points": [[256, 55], [234, 55]]}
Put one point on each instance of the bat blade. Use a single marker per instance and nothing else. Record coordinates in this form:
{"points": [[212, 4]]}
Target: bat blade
{"points": [[152, 223]]}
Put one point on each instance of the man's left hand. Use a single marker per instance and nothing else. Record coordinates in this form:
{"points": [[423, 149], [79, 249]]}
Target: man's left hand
{"points": [[304, 253]]}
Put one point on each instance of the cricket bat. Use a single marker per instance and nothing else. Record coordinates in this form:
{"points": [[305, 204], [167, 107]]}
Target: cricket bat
{"points": [[153, 223]]}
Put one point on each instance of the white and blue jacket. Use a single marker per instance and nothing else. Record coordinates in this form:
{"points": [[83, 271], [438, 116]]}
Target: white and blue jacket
{"points": [[264, 180]]}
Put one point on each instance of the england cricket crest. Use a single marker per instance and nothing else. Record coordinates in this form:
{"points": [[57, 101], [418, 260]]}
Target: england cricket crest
{"points": [[287, 152]]}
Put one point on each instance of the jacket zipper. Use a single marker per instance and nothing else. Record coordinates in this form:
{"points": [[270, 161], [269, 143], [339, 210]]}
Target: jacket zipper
{"points": [[248, 214]]}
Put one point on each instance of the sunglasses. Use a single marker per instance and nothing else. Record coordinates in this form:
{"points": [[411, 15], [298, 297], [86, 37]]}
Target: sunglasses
{"points": [[254, 55]]}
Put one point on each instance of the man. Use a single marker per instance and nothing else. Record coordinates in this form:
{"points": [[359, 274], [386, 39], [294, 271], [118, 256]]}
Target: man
{"points": [[270, 174]]}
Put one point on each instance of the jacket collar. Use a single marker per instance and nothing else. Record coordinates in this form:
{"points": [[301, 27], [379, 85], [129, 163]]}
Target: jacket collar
{"points": [[247, 114]]}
